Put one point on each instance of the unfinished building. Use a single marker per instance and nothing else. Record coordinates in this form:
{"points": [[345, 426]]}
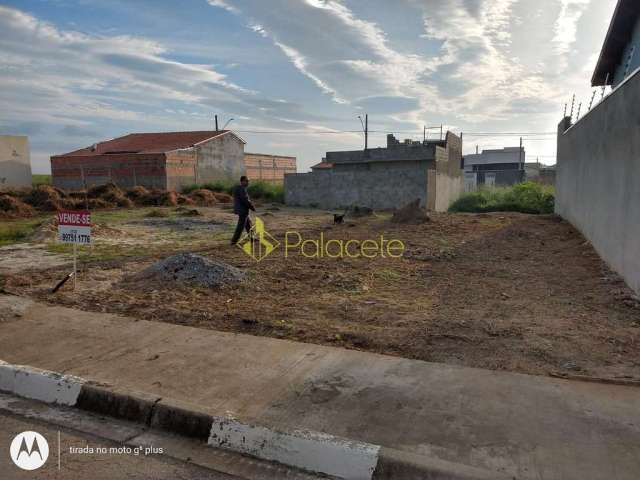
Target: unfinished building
{"points": [[168, 160], [383, 178], [15, 161], [268, 168]]}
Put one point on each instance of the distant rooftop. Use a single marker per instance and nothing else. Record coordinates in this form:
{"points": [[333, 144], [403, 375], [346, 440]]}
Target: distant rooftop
{"points": [[416, 150], [148, 143]]}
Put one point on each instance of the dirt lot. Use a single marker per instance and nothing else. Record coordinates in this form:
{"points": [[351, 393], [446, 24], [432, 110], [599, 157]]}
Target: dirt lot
{"points": [[501, 291]]}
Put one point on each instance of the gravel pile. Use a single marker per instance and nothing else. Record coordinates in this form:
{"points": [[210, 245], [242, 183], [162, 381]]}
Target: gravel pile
{"points": [[194, 270]]}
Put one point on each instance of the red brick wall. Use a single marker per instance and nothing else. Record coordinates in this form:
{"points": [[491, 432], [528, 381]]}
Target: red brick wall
{"points": [[180, 167], [124, 169], [269, 168]]}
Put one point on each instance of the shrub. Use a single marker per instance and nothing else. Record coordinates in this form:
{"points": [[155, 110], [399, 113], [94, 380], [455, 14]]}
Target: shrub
{"points": [[527, 197], [272, 192], [259, 190]]}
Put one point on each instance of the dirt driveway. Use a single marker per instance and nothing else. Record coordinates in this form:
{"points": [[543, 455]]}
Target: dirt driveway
{"points": [[501, 291]]}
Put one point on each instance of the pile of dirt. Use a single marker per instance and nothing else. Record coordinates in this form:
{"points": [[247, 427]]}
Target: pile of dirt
{"points": [[49, 199], [157, 197], [204, 197], [192, 270], [12, 207], [111, 194], [411, 213], [97, 203], [223, 197], [137, 194]]}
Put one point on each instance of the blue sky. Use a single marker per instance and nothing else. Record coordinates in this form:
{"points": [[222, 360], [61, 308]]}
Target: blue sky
{"points": [[73, 72]]}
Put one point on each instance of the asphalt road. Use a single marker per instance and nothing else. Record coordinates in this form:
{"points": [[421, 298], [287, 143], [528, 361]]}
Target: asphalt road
{"points": [[83, 466]]}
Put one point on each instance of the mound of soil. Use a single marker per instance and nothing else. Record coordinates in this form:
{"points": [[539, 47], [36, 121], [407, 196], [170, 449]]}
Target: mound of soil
{"points": [[192, 270], [165, 199], [223, 197], [111, 194], [411, 213], [49, 199], [137, 194], [204, 197], [96, 203], [11, 207], [184, 200]]}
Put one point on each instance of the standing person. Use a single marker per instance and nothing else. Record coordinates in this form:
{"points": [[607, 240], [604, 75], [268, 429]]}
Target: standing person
{"points": [[241, 206]]}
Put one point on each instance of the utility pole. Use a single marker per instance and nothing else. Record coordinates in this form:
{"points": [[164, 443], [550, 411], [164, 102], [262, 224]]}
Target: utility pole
{"points": [[520, 158], [476, 149], [440, 131], [366, 131], [424, 134], [216, 119]]}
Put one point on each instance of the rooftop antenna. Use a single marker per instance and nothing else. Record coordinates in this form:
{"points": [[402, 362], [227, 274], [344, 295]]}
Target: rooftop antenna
{"points": [[216, 119]]}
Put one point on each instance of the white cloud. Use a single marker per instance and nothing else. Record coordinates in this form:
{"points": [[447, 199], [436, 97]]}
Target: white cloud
{"points": [[566, 27]]}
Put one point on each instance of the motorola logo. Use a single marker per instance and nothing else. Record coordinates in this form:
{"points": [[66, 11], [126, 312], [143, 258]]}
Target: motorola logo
{"points": [[29, 450]]}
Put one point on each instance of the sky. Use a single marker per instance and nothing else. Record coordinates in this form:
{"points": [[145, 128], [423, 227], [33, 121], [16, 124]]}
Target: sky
{"points": [[295, 74]]}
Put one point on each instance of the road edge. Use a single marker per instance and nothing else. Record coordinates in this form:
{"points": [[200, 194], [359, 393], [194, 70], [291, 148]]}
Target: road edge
{"points": [[309, 450]]}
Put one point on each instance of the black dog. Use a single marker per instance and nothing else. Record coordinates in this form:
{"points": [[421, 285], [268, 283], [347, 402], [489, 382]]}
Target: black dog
{"points": [[338, 218]]}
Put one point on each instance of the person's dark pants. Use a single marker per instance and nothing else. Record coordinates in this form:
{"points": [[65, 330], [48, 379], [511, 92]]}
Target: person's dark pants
{"points": [[244, 223]]}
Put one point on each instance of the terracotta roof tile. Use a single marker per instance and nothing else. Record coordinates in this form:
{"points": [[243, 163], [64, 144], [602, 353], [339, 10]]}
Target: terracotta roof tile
{"points": [[148, 143]]}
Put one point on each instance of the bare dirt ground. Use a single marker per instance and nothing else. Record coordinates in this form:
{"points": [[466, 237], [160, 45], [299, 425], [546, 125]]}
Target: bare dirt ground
{"points": [[510, 292]]}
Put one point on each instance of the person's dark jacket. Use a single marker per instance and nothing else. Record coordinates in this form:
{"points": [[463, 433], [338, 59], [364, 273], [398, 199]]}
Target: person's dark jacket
{"points": [[241, 202]]}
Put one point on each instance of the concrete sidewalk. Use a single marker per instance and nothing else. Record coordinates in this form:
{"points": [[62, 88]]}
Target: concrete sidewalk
{"points": [[527, 426]]}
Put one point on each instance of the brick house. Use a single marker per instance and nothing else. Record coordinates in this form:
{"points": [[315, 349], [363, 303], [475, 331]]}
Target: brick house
{"points": [[166, 160]]}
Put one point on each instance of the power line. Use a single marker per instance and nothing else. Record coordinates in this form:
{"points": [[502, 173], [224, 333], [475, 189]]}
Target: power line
{"points": [[411, 132]]}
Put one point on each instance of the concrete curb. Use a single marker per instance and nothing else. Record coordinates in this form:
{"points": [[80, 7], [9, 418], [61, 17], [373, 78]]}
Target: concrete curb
{"points": [[308, 450]]}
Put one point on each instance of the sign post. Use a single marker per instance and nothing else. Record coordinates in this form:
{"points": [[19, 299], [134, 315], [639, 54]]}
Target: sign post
{"points": [[75, 228]]}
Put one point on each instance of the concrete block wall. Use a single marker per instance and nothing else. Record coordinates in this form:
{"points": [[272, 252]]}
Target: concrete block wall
{"points": [[380, 185], [598, 178], [221, 158], [15, 161]]}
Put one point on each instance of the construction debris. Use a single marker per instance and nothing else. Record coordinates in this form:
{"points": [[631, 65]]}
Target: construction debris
{"points": [[411, 213], [193, 270]]}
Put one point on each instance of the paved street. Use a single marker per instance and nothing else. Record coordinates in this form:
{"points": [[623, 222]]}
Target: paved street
{"points": [[528, 426]]}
